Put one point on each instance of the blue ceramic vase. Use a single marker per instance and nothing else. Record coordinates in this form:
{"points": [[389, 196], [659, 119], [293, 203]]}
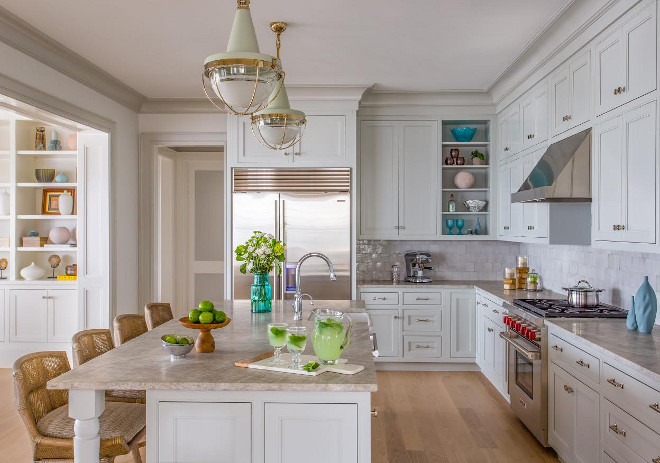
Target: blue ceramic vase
{"points": [[646, 307], [631, 320], [477, 227]]}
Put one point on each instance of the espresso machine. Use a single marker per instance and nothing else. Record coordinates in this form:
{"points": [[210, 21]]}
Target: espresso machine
{"points": [[416, 263]]}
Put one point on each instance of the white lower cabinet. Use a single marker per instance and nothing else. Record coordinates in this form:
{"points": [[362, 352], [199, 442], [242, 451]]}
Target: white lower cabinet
{"points": [[295, 433], [463, 321], [182, 425], [2, 316], [491, 349], [37, 315], [387, 323], [573, 417]]}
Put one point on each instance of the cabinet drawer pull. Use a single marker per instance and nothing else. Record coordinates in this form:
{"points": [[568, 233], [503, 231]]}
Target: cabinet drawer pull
{"points": [[656, 460], [623, 89], [422, 346], [506, 148], [424, 320], [396, 227], [568, 389], [506, 227], [484, 304], [615, 428], [557, 348], [490, 330], [422, 298], [495, 311], [655, 406], [402, 227], [379, 298], [523, 403], [374, 412], [396, 317], [582, 363], [614, 383]]}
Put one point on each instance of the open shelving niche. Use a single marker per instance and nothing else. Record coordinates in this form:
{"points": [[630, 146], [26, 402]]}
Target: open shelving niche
{"points": [[482, 175]]}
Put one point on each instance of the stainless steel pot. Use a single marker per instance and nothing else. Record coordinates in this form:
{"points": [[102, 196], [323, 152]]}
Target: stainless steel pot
{"points": [[583, 295]]}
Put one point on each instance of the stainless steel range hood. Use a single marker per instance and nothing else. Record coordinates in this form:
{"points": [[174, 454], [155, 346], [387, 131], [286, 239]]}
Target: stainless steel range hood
{"points": [[562, 175]]}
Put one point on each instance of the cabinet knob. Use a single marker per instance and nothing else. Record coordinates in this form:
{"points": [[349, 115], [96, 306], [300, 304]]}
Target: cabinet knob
{"points": [[582, 363], [523, 403], [490, 330], [506, 227], [616, 91], [297, 153], [568, 389], [374, 412], [655, 406], [506, 148], [614, 383], [616, 429], [286, 153]]}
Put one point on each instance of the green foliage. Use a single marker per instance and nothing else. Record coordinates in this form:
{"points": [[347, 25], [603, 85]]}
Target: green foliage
{"points": [[478, 154], [260, 254]]}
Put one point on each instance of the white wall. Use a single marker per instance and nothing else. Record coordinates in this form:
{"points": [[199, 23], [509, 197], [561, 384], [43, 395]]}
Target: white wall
{"points": [[124, 154]]}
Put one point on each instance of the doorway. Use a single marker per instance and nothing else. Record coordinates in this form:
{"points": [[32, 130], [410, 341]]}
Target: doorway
{"points": [[188, 226]]}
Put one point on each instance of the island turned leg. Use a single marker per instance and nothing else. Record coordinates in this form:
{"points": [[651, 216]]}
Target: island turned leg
{"points": [[86, 407]]}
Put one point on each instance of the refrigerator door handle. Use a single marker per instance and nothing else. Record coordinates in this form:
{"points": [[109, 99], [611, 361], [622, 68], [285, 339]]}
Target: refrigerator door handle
{"points": [[276, 281]]}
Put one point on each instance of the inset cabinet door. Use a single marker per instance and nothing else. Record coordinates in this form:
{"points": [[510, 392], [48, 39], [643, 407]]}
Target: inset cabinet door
{"points": [[505, 136], [560, 90], [228, 427], [610, 71], [581, 90], [323, 142], [28, 315], [561, 411], [295, 431], [517, 178], [387, 324], [251, 151], [608, 165], [2, 316], [463, 323], [504, 195], [535, 215], [515, 129], [62, 314]]}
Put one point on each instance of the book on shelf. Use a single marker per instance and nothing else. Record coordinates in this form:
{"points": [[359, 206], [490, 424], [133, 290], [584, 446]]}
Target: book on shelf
{"points": [[51, 245], [34, 241], [67, 277]]}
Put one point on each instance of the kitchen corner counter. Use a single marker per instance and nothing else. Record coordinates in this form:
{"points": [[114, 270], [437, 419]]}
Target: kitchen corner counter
{"points": [[611, 337]]}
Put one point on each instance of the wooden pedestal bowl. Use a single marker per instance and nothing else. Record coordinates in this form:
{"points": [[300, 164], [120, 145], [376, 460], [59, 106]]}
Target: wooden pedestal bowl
{"points": [[204, 342]]}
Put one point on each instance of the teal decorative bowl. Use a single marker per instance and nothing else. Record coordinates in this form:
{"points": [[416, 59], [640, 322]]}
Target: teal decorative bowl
{"points": [[463, 134]]}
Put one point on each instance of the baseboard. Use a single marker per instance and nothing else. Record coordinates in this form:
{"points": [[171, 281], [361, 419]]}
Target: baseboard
{"points": [[418, 366]]}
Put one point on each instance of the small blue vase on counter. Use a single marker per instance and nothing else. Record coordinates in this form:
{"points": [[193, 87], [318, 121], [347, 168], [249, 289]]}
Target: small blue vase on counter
{"points": [[646, 307], [631, 320]]}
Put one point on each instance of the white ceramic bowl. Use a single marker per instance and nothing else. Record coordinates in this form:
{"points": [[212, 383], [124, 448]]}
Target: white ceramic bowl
{"points": [[463, 180]]}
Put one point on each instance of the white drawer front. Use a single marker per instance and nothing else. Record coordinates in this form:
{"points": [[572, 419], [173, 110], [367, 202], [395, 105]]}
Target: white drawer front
{"points": [[380, 298], [422, 320], [422, 346], [624, 433], [418, 298], [573, 358], [638, 399]]}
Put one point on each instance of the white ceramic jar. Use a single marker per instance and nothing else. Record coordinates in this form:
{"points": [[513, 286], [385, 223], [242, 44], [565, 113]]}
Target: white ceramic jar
{"points": [[65, 203], [32, 272]]}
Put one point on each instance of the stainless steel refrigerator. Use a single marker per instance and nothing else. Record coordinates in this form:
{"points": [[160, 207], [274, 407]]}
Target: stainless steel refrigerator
{"points": [[310, 211]]}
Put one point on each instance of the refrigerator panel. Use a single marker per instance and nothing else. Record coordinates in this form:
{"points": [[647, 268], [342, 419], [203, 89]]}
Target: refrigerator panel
{"points": [[318, 222], [252, 212]]}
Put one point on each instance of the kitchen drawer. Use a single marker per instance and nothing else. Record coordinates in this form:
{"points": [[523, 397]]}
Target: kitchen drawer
{"points": [[422, 298], [422, 346], [638, 399], [422, 320], [628, 436], [573, 358], [494, 312], [380, 298]]}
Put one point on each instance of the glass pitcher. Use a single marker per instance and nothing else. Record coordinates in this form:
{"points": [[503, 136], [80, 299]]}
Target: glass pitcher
{"points": [[330, 337]]}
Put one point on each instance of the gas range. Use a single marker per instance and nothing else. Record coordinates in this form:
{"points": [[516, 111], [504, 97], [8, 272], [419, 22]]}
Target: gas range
{"points": [[559, 308]]}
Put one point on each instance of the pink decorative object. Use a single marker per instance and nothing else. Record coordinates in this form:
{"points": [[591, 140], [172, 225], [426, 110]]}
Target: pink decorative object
{"points": [[72, 142], [464, 180], [59, 235]]}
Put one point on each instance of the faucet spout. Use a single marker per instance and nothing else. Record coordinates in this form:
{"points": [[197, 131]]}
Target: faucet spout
{"points": [[298, 297]]}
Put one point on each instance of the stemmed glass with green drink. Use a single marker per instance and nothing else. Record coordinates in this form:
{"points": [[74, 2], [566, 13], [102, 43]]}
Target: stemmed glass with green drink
{"points": [[296, 341], [277, 339]]}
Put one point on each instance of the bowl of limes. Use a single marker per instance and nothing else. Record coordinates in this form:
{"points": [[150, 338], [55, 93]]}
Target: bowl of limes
{"points": [[177, 345], [205, 318]]}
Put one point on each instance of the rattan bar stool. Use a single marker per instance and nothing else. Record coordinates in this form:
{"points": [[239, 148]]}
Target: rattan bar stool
{"points": [[157, 313], [45, 413], [88, 345], [127, 327]]}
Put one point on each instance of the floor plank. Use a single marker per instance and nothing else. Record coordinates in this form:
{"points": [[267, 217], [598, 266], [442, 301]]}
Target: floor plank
{"points": [[423, 417]]}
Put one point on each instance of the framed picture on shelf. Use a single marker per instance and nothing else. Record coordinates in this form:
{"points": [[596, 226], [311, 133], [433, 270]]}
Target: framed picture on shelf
{"points": [[50, 200]]}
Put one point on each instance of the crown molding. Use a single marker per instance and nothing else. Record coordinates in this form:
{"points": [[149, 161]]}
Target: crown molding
{"points": [[20, 35], [351, 93], [450, 98]]}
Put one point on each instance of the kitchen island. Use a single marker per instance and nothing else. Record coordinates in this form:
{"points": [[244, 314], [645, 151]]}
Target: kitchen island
{"points": [[203, 408]]}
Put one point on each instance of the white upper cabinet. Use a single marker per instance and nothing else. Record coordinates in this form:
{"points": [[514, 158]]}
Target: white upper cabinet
{"points": [[570, 90], [515, 129], [626, 65], [505, 135], [625, 164], [504, 196], [399, 178], [517, 178], [250, 151], [534, 111], [535, 215]]}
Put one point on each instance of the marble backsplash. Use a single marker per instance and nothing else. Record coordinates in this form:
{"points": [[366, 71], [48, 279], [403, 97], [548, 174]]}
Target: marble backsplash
{"points": [[466, 260]]}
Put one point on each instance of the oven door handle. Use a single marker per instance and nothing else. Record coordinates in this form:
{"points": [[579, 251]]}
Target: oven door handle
{"points": [[528, 354]]}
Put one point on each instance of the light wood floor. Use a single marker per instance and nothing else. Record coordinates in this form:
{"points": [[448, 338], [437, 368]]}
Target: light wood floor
{"points": [[423, 417]]}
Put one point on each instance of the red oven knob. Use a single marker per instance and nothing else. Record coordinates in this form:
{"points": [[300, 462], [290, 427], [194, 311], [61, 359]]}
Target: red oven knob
{"points": [[518, 326], [531, 335], [505, 319]]}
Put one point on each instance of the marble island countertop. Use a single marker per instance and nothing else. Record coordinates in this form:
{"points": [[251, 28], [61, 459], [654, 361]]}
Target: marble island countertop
{"points": [[142, 364], [640, 352]]}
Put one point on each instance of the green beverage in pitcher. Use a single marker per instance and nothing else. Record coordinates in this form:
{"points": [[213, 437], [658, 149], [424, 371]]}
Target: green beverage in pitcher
{"points": [[329, 338]]}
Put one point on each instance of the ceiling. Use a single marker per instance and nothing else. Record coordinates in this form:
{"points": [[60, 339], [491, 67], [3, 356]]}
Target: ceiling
{"points": [[157, 46]]}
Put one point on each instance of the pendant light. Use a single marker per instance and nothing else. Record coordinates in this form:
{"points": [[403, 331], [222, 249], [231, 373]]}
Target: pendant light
{"points": [[278, 127], [243, 79]]}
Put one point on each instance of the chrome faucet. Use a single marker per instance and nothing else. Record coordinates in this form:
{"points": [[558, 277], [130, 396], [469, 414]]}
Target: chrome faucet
{"points": [[298, 297]]}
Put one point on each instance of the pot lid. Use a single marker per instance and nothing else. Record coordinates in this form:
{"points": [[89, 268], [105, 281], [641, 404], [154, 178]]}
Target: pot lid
{"points": [[584, 286]]}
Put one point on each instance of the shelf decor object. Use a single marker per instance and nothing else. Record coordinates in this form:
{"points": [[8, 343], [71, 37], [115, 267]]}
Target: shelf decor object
{"points": [[243, 79], [478, 158], [65, 203], [40, 139], [464, 180], [72, 142], [59, 235], [204, 342], [54, 261], [645, 304], [50, 200], [32, 272], [259, 255], [44, 175], [62, 178], [463, 134], [55, 144], [278, 127], [475, 205], [450, 223], [4, 263]]}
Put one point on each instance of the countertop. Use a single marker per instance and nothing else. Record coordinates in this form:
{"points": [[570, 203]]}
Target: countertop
{"points": [[495, 288], [640, 352], [142, 364]]}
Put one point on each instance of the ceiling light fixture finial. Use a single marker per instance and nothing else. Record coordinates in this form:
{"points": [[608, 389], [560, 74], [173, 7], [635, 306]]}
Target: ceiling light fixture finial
{"points": [[243, 4]]}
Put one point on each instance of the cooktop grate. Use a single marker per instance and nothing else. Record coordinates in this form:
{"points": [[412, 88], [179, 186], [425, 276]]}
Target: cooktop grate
{"points": [[560, 308]]}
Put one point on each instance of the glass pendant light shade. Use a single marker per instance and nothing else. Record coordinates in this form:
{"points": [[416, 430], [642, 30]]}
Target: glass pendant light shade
{"points": [[279, 127], [242, 80]]}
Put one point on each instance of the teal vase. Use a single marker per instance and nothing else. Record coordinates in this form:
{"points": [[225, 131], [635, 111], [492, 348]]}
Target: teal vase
{"points": [[631, 319], [477, 227], [646, 307], [262, 294]]}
